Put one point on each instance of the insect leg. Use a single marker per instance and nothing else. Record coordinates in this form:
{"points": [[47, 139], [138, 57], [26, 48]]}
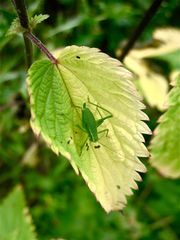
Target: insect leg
{"points": [[98, 106], [85, 144], [81, 128], [104, 130], [102, 119]]}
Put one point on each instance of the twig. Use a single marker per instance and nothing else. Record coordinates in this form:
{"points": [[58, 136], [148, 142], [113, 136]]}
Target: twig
{"points": [[29, 51], [140, 28], [23, 18]]}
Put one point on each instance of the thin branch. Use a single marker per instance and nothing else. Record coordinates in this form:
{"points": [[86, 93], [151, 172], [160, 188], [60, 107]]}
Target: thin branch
{"points": [[21, 12], [29, 51], [23, 18], [41, 46], [140, 28]]}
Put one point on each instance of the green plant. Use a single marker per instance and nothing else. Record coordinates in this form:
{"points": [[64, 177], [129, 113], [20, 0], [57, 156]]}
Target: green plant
{"points": [[109, 170]]}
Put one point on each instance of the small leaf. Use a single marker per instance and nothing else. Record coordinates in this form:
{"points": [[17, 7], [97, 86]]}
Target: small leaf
{"points": [[165, 146], [57, 94], [15, 221], [15, 28], [37, 19]]}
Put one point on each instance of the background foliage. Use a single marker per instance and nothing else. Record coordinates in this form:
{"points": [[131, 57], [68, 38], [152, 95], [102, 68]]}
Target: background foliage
{"points": [[60, 202]]}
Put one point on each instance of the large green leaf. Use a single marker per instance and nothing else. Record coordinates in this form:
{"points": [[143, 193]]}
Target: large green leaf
{"points": [[15, 223], [165, 147], [57, 94]]}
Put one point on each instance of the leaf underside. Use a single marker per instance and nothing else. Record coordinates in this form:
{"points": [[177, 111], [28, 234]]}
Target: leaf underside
{"points": [[57, 94], [165, 147]]}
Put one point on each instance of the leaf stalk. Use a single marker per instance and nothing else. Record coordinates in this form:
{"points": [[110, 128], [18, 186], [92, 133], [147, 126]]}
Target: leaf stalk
{"points": [[41, 46]]}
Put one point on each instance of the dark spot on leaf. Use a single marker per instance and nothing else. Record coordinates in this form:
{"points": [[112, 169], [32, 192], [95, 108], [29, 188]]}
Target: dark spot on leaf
{"points": [[118, 187], [87, 147], [78, 57], [97, 146], [68, 142]]}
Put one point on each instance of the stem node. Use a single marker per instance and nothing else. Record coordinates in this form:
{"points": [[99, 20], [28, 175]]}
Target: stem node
{"points": [[28, 35]]}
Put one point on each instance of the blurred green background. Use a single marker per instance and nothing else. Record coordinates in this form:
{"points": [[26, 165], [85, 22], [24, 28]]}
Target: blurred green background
{"points": [[60, 203]]}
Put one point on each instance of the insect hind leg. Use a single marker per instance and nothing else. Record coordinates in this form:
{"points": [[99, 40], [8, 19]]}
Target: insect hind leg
{"points": [[102, 119], [85, 144], [98, 106], [104, 130]]}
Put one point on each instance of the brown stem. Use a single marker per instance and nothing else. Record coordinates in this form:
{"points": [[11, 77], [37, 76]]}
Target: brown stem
{"points": [[29, 51], [23, 18], [140, 28]]}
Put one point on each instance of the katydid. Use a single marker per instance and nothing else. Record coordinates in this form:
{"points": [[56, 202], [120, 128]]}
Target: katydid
{"points": [[90, 124]]}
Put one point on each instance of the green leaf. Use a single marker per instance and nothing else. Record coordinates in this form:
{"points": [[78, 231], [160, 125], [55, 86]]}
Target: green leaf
{"points": [[51, 110], [15, 28], [57, 94], [165, 146], [15, 221], [37, 19]]}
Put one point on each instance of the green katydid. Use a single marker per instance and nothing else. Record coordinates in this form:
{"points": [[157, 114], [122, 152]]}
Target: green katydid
{"points": [[90, 124]]}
